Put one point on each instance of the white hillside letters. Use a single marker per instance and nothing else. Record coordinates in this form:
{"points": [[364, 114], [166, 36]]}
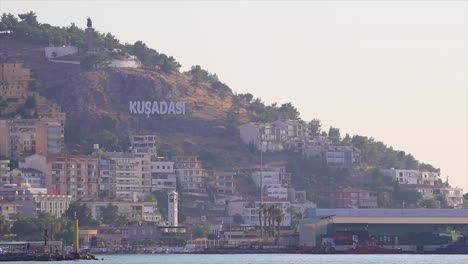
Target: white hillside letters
{"points": [[157, 108]]}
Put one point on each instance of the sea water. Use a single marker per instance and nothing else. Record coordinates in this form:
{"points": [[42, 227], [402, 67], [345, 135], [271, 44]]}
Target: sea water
{"points": [[272, 259]]}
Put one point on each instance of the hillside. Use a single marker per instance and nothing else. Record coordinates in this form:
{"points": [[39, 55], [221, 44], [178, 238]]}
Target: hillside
{"points": [[96, 103]]}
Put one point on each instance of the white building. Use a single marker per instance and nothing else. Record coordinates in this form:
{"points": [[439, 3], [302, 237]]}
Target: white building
{"points": [[453, 195], [143, 142], [413, 176], [248, 209], [264, 137], [276, 191], [173, 208]]}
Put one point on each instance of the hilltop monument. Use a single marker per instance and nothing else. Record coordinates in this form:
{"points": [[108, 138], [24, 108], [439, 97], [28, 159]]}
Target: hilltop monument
{"points": [[89, 35]]}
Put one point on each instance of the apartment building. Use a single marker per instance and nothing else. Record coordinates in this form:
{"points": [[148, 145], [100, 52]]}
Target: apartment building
{"points": [[413, 176], [264, 137], [163, 176], [75, 175], [125, 175], [22, 137], [9, 210], [353, 198], [191, 176], [33, 200], [272, 176], [143, 143], [224, 182], [343, 156], [14, 80], [248, 209], [4, 172]]}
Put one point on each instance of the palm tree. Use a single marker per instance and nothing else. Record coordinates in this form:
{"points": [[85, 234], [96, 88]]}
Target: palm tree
{"points": [[279, 217], [271, 217], [261, 211]]}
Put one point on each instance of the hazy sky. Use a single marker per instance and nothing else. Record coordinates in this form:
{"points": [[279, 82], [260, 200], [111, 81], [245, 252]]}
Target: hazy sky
{"points": [[396, 70]]}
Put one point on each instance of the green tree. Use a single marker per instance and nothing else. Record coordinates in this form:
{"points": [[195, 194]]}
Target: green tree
{"points": [[83, 214], [315, 126], [237, 219], [201, 230], [30, 18], [334, 135], [27, 229], [4, 226], [161, 197], [430, 203], [110, 216]]}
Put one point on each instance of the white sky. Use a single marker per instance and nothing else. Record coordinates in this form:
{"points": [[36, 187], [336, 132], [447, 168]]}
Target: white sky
{"points": [[393, 70]]}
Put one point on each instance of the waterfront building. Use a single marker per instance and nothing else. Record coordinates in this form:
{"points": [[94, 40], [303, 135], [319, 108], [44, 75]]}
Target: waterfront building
{"points": [[34, 200], [132, 211], [248, 209]]}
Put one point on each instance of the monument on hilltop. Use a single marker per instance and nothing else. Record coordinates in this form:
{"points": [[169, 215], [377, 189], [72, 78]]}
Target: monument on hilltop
{"points": [[89, 36]]}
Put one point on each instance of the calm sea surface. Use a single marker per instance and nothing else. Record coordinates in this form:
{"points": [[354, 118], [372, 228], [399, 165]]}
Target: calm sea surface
{"points": [[274, 258]]}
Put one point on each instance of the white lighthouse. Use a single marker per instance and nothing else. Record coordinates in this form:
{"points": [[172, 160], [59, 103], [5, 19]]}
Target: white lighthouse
{"points": [[173, 208]]}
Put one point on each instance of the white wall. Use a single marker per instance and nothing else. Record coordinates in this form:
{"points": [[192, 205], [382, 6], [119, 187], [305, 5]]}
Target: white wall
{"points": [[59, 51]]}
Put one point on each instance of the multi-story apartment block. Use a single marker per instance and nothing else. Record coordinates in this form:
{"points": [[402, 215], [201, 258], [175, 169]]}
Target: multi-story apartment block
{"points": [[191, 177], [344, 156], [294, 129], [224, 182], [4, 172], [9, 210], [248, 209], [264, 137], [14, 80], [14, 73], [163, 176], [143, 143], [126, 171], [413, 176], [353, 198], [33, 200], [20, 137], [75, 175], [272, 176]]}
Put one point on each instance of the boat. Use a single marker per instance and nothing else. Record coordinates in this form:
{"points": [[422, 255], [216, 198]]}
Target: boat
{"points": [[370, 247]]}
